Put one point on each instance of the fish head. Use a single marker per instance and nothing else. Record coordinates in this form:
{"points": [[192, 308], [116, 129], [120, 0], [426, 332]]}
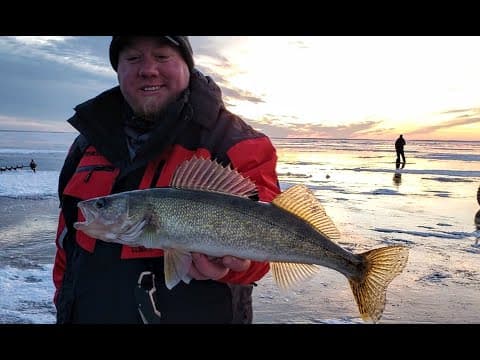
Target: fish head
{"points": [[110, 218]]}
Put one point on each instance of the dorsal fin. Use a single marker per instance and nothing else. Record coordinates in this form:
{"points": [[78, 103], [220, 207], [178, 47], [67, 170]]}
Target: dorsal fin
{"points": [[300, 201], [209, 175]]}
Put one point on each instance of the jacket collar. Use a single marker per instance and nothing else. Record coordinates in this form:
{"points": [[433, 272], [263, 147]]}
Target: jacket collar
{"points": [[205, 99], [100, 121]]}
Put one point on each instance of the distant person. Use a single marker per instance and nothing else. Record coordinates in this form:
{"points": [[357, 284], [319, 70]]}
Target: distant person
{"points": [[33, 165], [399, 144], [477, 224], [478, 195]]}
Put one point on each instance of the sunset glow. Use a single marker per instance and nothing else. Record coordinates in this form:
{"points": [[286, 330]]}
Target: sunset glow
{"points": [[316, 86], [356, 87]]}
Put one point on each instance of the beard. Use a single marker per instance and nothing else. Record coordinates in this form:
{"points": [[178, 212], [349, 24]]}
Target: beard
{"points": [[151, 109]]}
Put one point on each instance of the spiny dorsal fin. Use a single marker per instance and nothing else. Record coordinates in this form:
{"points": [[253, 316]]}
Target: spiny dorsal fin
{"points": [[290, 274], [208, 175], [300, 201]]}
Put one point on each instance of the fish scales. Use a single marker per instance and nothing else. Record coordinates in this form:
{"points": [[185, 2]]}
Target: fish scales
{"points": [[195, 221]]}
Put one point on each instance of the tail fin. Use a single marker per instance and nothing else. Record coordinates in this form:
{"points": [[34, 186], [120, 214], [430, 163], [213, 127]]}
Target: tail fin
{"points": [[382, 266]]}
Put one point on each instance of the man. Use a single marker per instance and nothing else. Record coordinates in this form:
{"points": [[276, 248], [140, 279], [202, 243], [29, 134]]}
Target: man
{"points": [[478, 195], [33, 165], [399, 144], [133, 136]]}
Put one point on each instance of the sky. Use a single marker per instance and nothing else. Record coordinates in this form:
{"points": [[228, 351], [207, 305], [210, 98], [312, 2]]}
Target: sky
{"points": [[358, 87]]}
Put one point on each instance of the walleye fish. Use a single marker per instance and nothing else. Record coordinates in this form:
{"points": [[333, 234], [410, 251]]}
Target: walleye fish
{"points": [[207, 209]]}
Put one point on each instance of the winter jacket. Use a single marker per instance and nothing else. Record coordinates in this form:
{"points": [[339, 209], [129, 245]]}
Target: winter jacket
{"points": [[98, 163]]}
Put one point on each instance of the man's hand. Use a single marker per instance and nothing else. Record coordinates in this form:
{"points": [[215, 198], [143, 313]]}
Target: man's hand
{"points": [[204, 267]]}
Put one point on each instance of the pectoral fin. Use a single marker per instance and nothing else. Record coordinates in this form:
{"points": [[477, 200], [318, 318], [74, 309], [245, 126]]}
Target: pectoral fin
{"points": [[141, 233], [176, 266], [131, 235], [149, 237]]}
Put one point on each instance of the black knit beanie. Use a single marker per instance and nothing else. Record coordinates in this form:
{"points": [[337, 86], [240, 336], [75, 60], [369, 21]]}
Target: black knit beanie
{"points": [[182, 42]]}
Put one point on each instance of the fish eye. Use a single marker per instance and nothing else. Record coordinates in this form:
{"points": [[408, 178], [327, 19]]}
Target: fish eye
{"points": [[100, 203]]}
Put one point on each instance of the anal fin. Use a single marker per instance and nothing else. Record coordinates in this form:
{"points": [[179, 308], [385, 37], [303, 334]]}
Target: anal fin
{"points": [[287, 275]]}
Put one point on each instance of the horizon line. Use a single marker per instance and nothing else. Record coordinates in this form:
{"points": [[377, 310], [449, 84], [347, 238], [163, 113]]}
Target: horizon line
{"points": [[40, 131], [271, 137]]}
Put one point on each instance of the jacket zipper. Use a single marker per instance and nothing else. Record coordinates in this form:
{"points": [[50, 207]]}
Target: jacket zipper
{"points": [[92, 168], [156, 175]]}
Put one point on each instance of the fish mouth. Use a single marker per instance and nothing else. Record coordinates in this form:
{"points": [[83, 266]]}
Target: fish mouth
{"points": [[88, 214]]}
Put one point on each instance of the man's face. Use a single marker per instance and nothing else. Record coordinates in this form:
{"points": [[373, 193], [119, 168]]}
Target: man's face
{"points": [[151, 74]]}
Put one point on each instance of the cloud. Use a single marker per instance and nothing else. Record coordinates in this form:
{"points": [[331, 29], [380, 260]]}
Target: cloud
{"points": [[354, 130], [299, 44], [71, 51], [210, 47], [277, 127], [455, 111], [210, 61], [39, 40], [45, 77], [473, 117], [231, 94], [28, 124]]}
